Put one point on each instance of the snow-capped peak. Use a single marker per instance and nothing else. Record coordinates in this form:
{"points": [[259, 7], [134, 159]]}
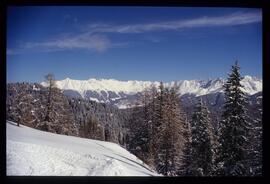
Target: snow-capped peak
{"points": [[251, 85], [103, 85], [111, 90]]}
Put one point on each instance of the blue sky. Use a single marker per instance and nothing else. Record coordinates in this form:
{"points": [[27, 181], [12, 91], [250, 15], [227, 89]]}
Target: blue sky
{"points": [[131, 43]]}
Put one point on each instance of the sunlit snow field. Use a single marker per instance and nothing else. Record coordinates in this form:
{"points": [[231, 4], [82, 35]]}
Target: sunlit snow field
{"points": [[38, 153]]}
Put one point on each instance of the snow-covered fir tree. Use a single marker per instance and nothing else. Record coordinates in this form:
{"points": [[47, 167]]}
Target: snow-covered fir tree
{"points": [[186, 158], [233, 139], [255, 140], [201, 163]]}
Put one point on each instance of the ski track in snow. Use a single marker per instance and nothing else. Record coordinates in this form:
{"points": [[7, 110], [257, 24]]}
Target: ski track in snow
{"points": [[37, 153]]}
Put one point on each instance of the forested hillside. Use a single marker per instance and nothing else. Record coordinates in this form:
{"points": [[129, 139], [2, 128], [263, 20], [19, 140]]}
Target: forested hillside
{"points": [[28, 103], [167, 131]]}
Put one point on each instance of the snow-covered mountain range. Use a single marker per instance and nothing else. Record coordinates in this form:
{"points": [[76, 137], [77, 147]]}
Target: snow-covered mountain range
{"points": [[124, 93]]}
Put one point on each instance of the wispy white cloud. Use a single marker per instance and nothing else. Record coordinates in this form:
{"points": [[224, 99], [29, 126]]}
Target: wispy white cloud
{"points": [[93, 37], [205, 21], [84, 41], [87, 41]]}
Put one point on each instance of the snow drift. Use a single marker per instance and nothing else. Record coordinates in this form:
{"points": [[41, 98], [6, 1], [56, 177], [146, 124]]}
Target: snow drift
{"points": [[38, 153]]}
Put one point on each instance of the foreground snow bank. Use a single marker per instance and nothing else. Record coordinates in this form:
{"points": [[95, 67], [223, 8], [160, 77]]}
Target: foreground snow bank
{"points": [[34, 152]]}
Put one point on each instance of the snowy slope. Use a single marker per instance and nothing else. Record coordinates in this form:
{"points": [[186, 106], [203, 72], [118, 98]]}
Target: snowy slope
{"points": [[34, 152]]}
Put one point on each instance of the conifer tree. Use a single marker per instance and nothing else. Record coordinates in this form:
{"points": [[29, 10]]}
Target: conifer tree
{"points": [[51, 84], [152, 107], [170, 132], [201, 142], [176, 120], [186, 158], [139, 138], [233, 140], [255, 146], [158, 129]]}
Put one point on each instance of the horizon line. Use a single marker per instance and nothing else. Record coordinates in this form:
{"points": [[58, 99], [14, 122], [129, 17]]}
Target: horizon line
{"points": [[153, 81]]}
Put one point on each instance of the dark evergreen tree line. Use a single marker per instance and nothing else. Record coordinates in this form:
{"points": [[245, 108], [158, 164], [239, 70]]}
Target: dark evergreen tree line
{"points": [[199, 158], [165, 140]]}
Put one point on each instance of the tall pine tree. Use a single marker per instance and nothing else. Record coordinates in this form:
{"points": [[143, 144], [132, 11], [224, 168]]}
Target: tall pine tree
{"points": [[201, 142], [186, 158], [232, 152], [51, 85], [176, 130], [170, 131], [255, 140]]}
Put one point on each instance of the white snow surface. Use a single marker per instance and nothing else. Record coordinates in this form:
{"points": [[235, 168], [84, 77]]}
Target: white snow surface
{"points": [[38, 153], [251, 85]]}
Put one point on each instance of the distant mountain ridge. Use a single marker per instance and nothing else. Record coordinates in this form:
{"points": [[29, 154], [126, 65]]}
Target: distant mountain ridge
{"points": [[124, 93]]}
